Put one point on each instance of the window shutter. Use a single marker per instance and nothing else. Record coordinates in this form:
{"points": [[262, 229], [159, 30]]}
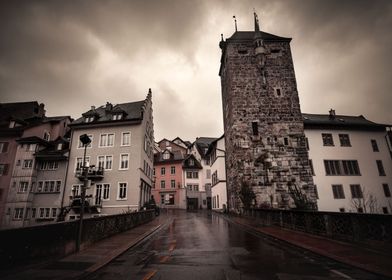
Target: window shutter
{"points": [[5, 147], [5, 171]]}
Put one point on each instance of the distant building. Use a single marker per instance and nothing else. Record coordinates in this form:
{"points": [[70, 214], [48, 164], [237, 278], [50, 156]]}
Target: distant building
{"points": [[264, 134], [14, 118], [216, 155], [36, 179], [351, 163], [169, 190], [120, 159]]}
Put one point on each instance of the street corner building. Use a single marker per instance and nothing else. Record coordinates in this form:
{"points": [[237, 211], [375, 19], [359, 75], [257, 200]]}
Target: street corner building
{"points": [[263, 125], [119, 159]]}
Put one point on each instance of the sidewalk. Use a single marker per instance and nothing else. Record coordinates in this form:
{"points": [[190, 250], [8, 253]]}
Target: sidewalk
{"points": [[89, 260], [354, 255]]}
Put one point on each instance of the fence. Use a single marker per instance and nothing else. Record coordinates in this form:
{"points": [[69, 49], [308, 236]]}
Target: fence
{"points": [[59, 239], [371, 229]]}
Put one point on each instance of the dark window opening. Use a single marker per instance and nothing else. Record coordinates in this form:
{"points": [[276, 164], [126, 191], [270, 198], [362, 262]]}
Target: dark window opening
{"points": [[385, 210], [255, 128], [387, 191], [286, 141], [380, 167], [374, 145]]}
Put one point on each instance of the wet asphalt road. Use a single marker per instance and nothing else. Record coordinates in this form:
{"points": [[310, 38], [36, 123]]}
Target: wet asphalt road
{"points": [[203, 245]]}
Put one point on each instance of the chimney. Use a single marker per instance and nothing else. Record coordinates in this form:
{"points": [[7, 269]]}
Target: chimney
{"points": [[109, 106], [92, 108], [332, 114]]}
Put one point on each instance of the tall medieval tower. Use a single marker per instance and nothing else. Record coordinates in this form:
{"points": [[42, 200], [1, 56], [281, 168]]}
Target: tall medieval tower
{"points": [[264, 134]]}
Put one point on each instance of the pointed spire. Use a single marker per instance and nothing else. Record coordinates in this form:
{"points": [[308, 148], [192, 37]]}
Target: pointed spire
{"points": [[235, 23], [257, 28]]}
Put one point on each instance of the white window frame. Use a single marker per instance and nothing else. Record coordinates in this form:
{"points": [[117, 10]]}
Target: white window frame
{"points": [[120, 162], [18, 213], [76, 162], [106, 140], [106, 159], [30, 165], [122, 139], [104, 190], [25, 187], [118, 191]]}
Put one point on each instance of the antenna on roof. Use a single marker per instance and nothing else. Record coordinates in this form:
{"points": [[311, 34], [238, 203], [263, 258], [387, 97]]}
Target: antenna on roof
{"points": [[235, 23]]}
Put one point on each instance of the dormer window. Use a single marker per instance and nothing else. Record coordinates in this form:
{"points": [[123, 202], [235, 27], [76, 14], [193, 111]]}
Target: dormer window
{"points": [[191, 162], [46, 136], [166, 156], [59, 146], [117, 117], [12, 124], [89, 119]]}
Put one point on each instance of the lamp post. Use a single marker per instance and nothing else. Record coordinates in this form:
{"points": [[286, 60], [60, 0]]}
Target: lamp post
{"points": [[85, 141]]}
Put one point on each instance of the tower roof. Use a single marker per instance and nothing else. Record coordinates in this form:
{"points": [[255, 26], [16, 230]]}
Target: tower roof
{"points": [[249, 35]]}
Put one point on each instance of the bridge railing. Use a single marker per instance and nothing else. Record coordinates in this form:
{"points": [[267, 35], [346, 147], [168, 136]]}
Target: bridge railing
{"points": [[370, 229], [59, 239]]}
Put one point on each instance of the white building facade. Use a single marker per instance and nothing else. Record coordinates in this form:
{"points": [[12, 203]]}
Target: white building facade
{"points": [[352, 166], [120, 158], [216, 155]]}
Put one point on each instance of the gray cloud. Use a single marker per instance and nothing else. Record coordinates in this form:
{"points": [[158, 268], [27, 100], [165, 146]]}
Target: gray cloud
{"points": [[73, 54]]}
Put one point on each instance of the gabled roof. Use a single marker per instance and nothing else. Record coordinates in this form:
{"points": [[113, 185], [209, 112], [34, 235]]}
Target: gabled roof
{"points": [[175, 156], [202, 144], [51, 152], [186, 164], [133, 111], [186, 143], [213, 144], [250, 35], [340, 122], [32, 140]]}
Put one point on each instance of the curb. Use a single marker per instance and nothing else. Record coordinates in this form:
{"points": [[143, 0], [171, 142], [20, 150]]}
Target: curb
{"points": [[317, 251]]}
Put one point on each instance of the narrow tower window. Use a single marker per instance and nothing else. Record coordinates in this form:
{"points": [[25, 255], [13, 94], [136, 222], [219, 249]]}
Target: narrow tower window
{"points": [[255, 128]]}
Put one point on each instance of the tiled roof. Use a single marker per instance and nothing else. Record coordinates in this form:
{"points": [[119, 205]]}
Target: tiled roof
{"points": [[174, 156], [202, 144], [250, 35], [340, 121], [132, 110], [196, 165]]}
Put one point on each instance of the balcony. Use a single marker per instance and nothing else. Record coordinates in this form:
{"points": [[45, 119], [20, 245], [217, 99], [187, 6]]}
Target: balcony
{"points": [[93, 173], [92, 204]]}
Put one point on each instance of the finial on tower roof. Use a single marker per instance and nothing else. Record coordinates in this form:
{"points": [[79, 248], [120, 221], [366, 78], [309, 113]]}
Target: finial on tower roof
{"points": [[257, 27], [235, 23]]}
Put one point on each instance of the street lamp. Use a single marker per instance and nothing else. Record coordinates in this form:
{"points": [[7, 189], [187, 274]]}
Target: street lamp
{"points": [[85, 141]]}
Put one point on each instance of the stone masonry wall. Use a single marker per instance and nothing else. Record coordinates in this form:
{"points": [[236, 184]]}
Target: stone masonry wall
{"points": [[270, 154]]}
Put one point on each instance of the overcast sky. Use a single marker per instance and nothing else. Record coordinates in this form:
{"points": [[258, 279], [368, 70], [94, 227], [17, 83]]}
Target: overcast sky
{"points": [[74, 54]]}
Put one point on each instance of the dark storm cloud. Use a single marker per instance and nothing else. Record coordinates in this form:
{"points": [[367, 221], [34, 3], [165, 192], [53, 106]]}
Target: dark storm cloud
{"points": [[73, 54]]}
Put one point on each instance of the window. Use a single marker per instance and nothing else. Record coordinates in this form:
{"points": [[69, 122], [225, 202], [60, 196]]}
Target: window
{"points": [[163, 171], [54, 212], [360, 210], [101, 161], [23, 186], [307, 143], [89, 119], [332, 167], [356, 191], [374, 145], [58, 186], [191, 162], [192, 174], [126, 139], [255, 128], [172, 170], [79, 163], [387, 191], [106, 140], [108, 163], [46, 136], [380, 168], [3, 147], [162, 184], [41, 213], [344, 167], [342, 210], [195, 174], [196, 188], [80, 144], [18, 214], [327, 139], [385, 210], [49, 165], [122, 191], [124, 161], [338, 192], [76, 190], [33, 212], [311, 167], [28, 163], [117, 117], [344, 140], [162, 199], [350, 167], [106, 192], [166, 155], [3, 169], [208, 175], [189, 187], [173, 184], [46, 186], [47, 212]]}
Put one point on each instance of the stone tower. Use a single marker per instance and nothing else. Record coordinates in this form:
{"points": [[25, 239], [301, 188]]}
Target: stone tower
{"points": [[265, 142]]}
